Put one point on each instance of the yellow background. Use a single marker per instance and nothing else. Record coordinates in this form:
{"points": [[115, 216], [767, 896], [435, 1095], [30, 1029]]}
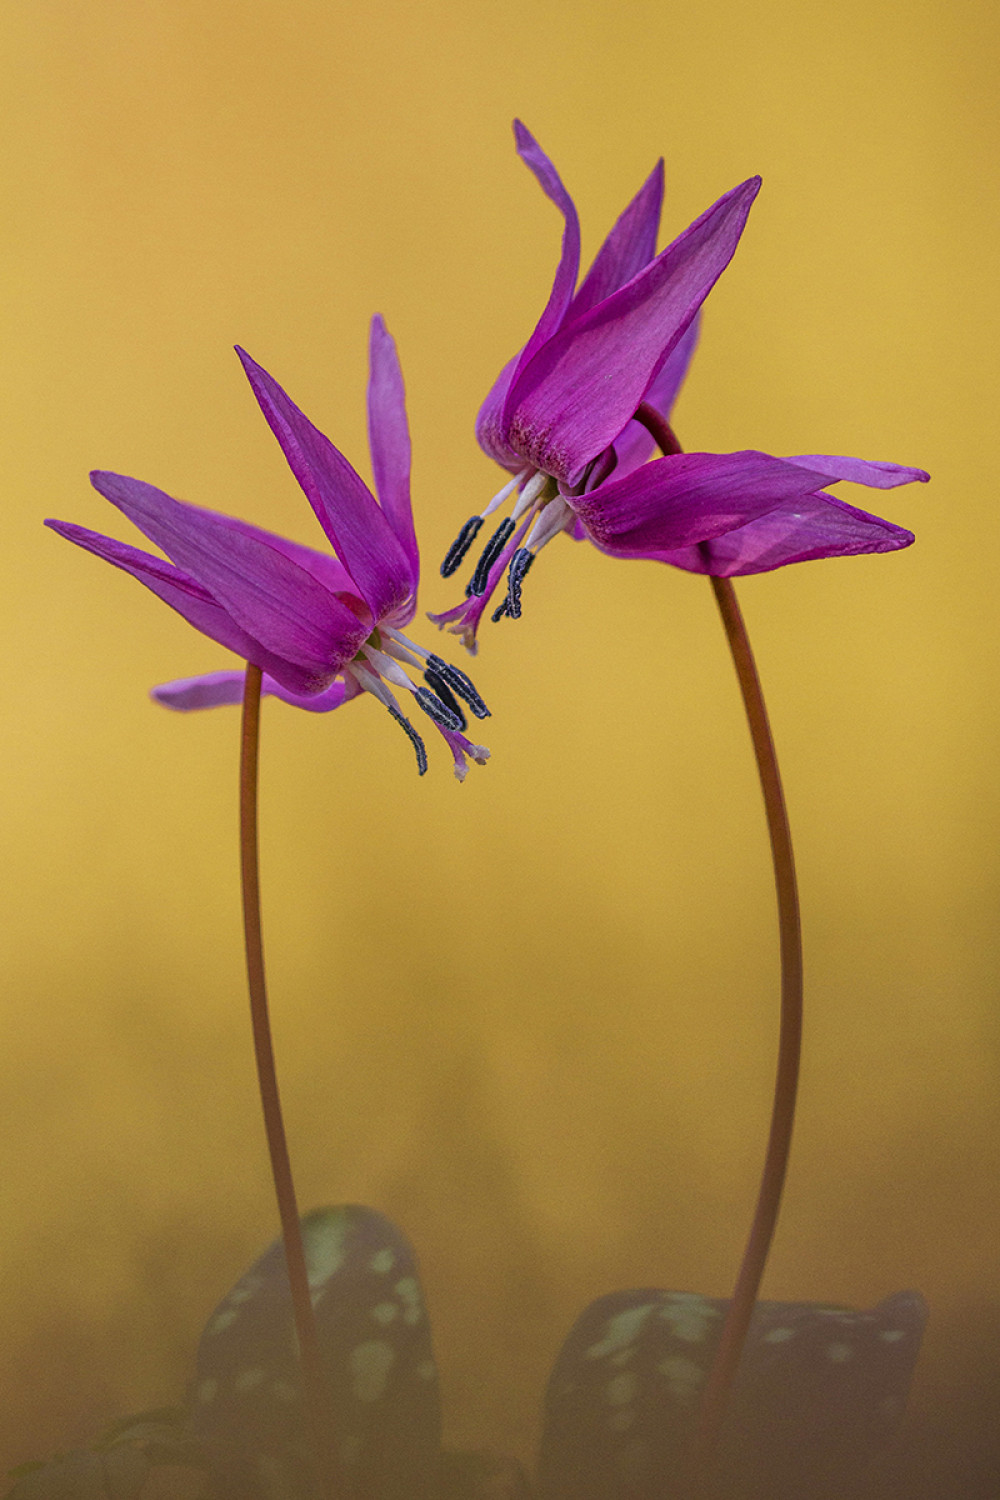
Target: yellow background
{"points": [[533, 1017]]}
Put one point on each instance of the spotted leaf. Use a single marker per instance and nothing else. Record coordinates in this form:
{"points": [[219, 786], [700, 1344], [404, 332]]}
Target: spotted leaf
{"points": [[820, 1390], [376, 1350], [147, 1457]]}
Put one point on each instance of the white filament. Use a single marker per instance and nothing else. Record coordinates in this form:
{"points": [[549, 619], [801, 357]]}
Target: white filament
{"points": [[374, 685], [387, 668], [529, 494], [551, 521], [405, 649], [501, 495]]}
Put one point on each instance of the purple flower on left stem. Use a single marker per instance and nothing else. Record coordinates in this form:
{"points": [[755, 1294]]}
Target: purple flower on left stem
{"points": [[323, 629]]}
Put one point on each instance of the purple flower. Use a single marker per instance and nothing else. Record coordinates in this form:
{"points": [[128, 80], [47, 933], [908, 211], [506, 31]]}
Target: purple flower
{"points": [[561, 418], [323, 629]]}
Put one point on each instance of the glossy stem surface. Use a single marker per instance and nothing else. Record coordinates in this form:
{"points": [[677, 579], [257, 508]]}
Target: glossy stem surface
{"points": [[313, 1383], [737, 1321]]}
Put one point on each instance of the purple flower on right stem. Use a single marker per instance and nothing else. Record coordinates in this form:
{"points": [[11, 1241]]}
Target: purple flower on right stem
{"points": [[561, 418]]}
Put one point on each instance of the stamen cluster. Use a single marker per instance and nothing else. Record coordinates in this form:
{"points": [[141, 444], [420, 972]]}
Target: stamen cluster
{"points": [[512, 546], [380, 662]]}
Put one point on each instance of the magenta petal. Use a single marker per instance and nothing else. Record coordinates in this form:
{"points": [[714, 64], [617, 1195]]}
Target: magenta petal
{"points": [[212, 690], [267, 593], [634, 445], [218, 689], [332, 697], [878, 476], [489, 422], [389, 440], [687, 498], [796, 531], [665, 386], [362, 535], [191, 601], [489, 434], [576, 395], [629, 247], [324, 567], [568, 268]]}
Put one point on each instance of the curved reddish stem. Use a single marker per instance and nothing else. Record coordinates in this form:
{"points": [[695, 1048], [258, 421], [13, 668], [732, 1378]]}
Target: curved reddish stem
{"points": [[313, 1381], [737, 1321]]}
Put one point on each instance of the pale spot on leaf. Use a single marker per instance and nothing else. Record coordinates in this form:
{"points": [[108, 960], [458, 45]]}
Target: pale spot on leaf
{"points": [[688, 1316], [370, 1366], [409, 1294], [223, 1320], [621, 1390], [622, 1330], [683, 1376], [325, 1239]]}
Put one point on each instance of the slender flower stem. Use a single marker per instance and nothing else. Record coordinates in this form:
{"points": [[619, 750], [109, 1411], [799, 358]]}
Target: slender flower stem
{"points": [[772, 1181], [313, 1382], [737, 1321]]}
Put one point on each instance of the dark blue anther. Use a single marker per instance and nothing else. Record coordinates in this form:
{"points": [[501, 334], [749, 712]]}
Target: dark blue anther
{"points": [[438, 711], [492, 550], [461, 545], [500, 611], [460, 684], [414, 738], [437, 684], [519, 565]]}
